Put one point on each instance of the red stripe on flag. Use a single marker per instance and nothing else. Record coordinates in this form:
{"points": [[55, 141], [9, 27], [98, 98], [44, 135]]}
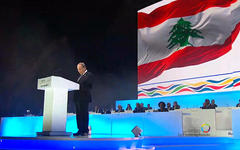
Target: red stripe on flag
{"points": [[215, 87], [185, 90], [179, 8], [162, 87], [186, 57], [142, 94], [236, 84]]}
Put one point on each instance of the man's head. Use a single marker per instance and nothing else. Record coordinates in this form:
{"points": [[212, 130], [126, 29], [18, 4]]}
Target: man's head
{"points": [[119, 107], [168, 105], [175, 103], [207, 101], [81, 67], [213, 101], [204, 104], [137, 105], [161, 104]]}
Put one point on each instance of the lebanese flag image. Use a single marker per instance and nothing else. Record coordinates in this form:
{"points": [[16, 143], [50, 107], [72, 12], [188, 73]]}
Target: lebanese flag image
{"points": [[184, 39]]}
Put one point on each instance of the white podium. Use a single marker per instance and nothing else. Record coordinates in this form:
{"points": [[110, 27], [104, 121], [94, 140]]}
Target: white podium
{"points": [[55, 104]]}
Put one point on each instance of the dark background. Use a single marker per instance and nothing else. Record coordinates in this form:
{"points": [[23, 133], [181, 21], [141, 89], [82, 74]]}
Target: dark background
{"points": [[44, 38]]}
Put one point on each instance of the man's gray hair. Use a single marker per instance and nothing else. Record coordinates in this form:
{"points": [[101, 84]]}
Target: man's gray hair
{"points": [[83, 64]]}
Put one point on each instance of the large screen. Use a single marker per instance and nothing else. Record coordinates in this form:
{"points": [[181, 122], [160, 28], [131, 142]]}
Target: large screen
{"points": [[188, 47]]}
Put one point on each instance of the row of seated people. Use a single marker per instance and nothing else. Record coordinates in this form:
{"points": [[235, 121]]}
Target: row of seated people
{"points": [[208, 105], [212, 105], [162, 107], [140, 107]]}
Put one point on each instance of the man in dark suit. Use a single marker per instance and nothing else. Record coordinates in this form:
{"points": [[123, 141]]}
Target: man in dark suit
{"points": [[162, 106], [137, 108], [120, 109], [149, 107], [169, 107], [212, 105], [238, 105], [175, 105], [82, 99]]}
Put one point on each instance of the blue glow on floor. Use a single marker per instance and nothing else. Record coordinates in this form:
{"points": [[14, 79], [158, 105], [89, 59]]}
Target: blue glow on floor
{"points": [[21, 126], [69, 144], [143, 143], [192, 143], [29, 126], [107, 124]]}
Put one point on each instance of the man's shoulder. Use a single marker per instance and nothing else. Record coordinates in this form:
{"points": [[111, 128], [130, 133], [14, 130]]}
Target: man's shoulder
{"points": [[89, 77], [89, 73]]}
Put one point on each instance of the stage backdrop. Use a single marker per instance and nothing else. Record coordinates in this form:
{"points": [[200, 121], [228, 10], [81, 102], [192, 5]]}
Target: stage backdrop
{"points": [[188, 47]]}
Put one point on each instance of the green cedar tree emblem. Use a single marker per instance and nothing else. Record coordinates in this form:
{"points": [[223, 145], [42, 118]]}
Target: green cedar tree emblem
{"points": [[180, 34]]}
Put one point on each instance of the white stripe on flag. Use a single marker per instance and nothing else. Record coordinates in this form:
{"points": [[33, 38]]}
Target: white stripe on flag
{"points": [[216, 24]]}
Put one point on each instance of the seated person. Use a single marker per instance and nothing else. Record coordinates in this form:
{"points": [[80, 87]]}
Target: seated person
{"points": [[176, 106], [238, 105], [204, 106], [142, 108], [207, 103], [149, 107], [129, 107], [120, 109], [169, 106], [98, 109], [162, 106], [107, 111], [212, 105], [137, 108]]}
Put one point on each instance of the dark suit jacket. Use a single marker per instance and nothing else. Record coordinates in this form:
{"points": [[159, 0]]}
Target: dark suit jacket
{"points": [[163, 110], [119, 110], [85, 82], [177, 107], [212, 106]]}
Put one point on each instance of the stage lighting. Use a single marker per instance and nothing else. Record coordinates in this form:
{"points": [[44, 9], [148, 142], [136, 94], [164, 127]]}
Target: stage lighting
{"points": [[137, 131]]}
